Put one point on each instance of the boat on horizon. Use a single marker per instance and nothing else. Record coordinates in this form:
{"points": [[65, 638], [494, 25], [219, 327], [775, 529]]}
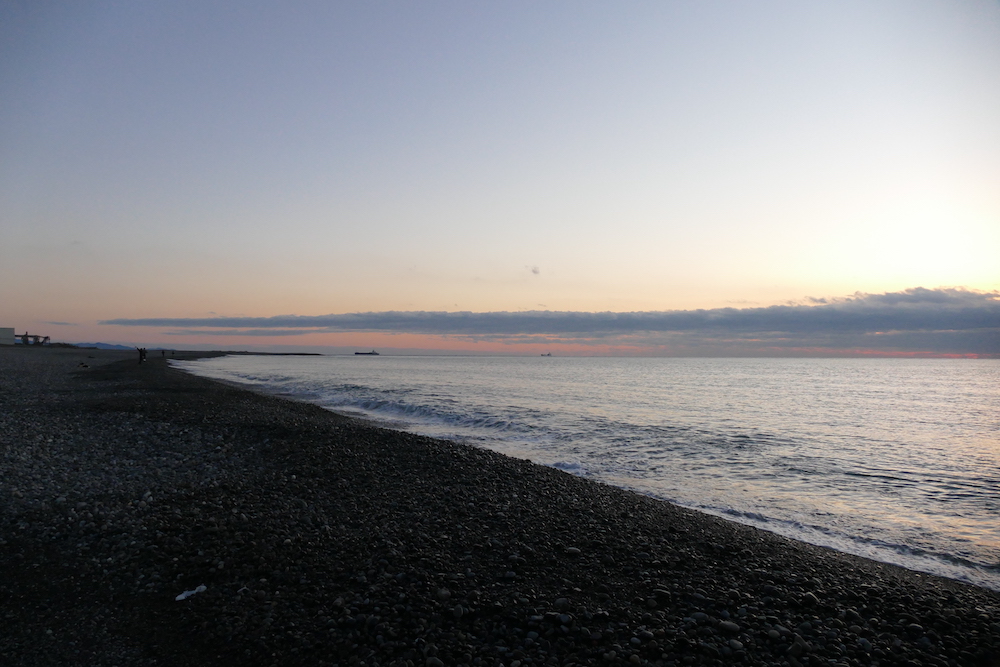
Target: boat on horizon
{"points": [[373, 353]]}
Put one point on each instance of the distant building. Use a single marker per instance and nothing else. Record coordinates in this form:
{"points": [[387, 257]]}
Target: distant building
{"points": [[6, 335]]}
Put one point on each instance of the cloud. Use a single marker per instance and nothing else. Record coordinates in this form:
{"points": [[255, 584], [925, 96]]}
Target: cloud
{"points": [[239, 332], [62, 324], [967, 320]]}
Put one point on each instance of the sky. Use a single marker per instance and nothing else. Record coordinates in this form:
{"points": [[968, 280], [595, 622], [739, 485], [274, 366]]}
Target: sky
{"points": [[691, 178]]}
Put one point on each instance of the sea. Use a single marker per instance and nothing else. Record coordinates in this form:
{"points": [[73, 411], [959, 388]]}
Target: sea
{"points": [[897, 460]]}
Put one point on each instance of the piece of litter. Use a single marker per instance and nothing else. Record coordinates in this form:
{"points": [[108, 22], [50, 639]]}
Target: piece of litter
{"points": [[186, 594]]}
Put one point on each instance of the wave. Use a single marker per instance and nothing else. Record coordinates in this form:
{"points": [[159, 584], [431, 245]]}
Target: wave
{"points": [[943, 564]]}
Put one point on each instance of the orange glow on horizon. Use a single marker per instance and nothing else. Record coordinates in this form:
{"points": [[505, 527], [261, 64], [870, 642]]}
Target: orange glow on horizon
{"points": [[528, 345]]}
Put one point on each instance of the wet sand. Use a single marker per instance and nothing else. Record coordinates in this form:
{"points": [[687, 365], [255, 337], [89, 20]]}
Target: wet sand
{"points": [[323, 540]]}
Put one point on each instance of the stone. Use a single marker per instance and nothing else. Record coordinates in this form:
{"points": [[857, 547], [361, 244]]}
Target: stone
{"points": [[799, 647]]}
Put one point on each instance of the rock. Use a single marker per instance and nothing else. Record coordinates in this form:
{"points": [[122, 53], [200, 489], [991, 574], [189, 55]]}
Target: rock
{"points": [[799, 647], [729, 626]]}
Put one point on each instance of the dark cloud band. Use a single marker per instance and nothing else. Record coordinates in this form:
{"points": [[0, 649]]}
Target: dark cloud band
{"points": [[916, 309]]}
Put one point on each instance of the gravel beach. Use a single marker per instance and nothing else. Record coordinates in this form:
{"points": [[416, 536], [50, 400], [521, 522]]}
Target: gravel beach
{"points": [[306, 538]]}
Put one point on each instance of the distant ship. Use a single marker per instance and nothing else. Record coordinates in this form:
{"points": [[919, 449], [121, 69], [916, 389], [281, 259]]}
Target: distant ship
{"points": [[548, 354], [373, 353]]}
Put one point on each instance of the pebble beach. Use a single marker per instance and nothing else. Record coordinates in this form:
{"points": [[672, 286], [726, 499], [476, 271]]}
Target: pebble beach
{"points": [[153, 517]]}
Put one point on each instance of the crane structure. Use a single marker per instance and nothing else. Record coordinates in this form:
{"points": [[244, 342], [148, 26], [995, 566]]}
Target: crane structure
{"points": [[33, 339]]}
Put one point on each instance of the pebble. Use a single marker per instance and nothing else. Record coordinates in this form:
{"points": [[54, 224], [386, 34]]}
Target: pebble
{"points": [[799, 647], [729, 626]]}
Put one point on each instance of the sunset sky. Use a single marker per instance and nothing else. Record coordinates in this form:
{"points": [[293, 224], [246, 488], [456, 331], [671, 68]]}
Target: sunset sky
{"points": [[517, 177]]}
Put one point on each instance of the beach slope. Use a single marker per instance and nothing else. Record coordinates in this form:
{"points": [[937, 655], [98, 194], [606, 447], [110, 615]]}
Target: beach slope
{"points": [[303, 537]]}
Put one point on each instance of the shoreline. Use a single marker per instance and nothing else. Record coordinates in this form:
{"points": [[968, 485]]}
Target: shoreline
{"points": [[325, 540], [972, 566]]}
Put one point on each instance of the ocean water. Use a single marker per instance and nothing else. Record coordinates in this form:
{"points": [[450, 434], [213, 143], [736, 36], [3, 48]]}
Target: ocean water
{"points": [[896, 460]]}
